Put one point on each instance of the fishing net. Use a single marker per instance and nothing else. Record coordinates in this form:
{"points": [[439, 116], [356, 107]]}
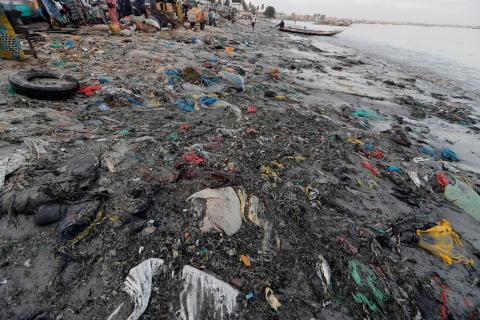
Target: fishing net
{"points": [[9, 43], [365, 279], [443, 242]]}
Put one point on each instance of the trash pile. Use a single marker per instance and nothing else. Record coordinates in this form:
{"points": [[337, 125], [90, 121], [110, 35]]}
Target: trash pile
{"points": [[209, 175]]}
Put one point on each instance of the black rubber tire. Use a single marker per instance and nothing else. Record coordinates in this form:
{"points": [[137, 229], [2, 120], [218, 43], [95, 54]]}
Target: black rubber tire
{"points": [[202, 25], [22, 84]]}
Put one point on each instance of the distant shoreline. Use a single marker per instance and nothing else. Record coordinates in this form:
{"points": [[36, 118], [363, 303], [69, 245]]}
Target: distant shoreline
{"points": [[401, 24]]}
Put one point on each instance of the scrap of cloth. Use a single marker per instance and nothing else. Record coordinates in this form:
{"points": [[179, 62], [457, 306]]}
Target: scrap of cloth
{"points": [[74, 10], [9, 43], [54, 12]]}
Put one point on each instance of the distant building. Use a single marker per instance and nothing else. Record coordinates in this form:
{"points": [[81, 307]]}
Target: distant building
{"points": [[237, 4]]}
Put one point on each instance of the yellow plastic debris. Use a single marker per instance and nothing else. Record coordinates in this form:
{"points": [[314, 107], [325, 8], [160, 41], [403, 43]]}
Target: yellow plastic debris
{"points": [[297, 158], [114, 28], [229, 50], [355, 141], [88, 230], [280, 98], [443, 242], [278, 164], [267, 172], [271, 299], [245, 260]]}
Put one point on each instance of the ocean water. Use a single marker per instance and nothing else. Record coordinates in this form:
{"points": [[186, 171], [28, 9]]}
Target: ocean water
{"points": [[451, 55]]}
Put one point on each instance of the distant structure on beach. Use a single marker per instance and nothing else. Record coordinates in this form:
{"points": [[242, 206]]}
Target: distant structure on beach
{"points": [[237, 4], [332, 21]]}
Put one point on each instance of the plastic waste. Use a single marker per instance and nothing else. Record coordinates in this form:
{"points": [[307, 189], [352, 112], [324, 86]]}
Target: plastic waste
{"points": [[184, 105], [89, 91], [443, 242], [251, 109], [202, 292], [229, 50], [442, 179], [193, 158], [55, 45], [69, 44], [429, 151], [223, 210], [245, 260], [367, 114], [463, 196], [361, 298], [138, 285], [11, 162], [173, 73], [234, 108], [207, 101], [449, 154], [369, 167], [272, 299], [355, 141], [253, 208], [414, 177], [324, 273], [235, 80], [365, 279]]}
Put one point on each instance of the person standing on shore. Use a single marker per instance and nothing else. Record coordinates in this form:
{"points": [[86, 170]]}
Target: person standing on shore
{"points": [[254, 20], [281, 25]]}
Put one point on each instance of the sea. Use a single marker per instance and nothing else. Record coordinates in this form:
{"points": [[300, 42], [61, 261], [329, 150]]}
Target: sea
{"points": [[449, 54]]}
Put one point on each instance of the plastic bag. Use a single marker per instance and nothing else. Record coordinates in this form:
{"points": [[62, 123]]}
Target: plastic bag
{"points": [[235, 80], [184, 105], [463, 196], [367, 114], [443, 242]]}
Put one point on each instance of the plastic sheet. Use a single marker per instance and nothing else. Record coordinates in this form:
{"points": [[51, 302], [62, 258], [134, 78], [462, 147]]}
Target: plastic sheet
{"points": [[233, 79], [184, 105], [223, 210], [463, 196], [203, 295], [138, 285], [367, 114]]}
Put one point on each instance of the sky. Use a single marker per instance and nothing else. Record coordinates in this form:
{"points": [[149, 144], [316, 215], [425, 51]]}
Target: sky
{"points": [[461, 12]]}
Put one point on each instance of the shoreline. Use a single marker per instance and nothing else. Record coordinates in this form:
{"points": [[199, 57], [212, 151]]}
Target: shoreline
{"points": [[301, 153]]}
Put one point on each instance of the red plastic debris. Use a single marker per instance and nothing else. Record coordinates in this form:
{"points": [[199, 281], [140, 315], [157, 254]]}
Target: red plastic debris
{"points": [[185, 126], [89, 91], [347, 243], [368, 166], [442, 179], [193, 158], [252, 109], [377, 154]]}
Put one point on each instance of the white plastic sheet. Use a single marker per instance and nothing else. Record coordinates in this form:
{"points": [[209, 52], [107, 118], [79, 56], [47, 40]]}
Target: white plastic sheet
{"points": [[206, 296], [138, 285]]}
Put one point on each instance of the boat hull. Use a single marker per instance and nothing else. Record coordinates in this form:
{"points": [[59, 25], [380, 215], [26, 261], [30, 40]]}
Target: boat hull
{"points": [[311, 32]]}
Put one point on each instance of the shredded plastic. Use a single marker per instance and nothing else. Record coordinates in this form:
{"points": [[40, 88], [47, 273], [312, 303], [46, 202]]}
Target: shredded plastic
{"points": [[361, 298]]}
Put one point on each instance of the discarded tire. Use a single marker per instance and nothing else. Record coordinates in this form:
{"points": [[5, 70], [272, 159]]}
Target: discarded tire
{"points": [[45, 85]]}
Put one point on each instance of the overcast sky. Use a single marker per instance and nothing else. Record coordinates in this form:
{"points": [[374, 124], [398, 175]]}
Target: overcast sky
{"points": [[464, 12]]}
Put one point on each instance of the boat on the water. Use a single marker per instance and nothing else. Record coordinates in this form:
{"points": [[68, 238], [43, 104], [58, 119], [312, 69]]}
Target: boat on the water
{"points": [[310, 32]]}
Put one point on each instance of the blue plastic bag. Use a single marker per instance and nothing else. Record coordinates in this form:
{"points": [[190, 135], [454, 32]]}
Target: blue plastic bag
{"points": [[208, 101], [448, 154], [184, 105]]}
